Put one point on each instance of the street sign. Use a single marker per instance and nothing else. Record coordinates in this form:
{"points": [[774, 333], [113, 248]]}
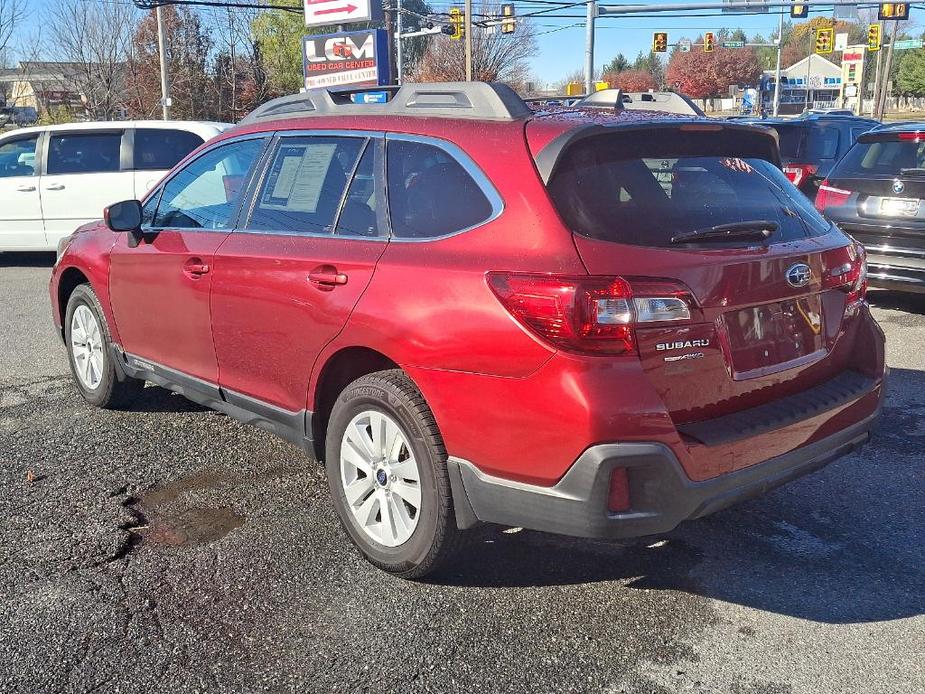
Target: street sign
{"points": [[684, 45], [908, 43], [348, 58], [733, 44], [326, 12], [841, 41]]}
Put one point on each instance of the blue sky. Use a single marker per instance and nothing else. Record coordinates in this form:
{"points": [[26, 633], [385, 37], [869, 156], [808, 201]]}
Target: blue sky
{"points": [[561, 46]]}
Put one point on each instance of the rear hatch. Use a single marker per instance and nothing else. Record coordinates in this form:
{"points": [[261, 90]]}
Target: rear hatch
{"points": [[682, 210], [877, 194]]}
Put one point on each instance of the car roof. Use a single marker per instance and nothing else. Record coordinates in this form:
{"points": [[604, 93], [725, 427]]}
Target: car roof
{"points": [[205, 129], [815, 118], [902, 126]]}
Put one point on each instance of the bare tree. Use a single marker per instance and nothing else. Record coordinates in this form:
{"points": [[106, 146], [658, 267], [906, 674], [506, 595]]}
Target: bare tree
{"points": [[496, 57], [11, 14], [94, 40]]}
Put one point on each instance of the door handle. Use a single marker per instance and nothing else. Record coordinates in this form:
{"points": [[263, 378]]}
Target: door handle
{"points": [[326, 277], [26, 189], [55, 186], [195, 268]]}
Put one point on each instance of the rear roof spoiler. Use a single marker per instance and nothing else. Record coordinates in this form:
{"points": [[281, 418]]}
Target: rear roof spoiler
{"points": [[663, 102], [478, 100], [548, 158]]}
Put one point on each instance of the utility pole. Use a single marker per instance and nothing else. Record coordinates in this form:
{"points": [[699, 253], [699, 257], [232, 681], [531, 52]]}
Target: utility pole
{"points": [[885, 77], [398, 55], [390, 30], [161, 48], [809, 62], [780, 43], [589, 46], [468, 31]]}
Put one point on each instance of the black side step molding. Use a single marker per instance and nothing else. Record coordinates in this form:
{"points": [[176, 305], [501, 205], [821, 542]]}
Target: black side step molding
{"points": [[845, 388], [294, 427]]}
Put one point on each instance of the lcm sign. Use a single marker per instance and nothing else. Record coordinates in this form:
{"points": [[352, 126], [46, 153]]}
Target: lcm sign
{"points": [[352, 58]]}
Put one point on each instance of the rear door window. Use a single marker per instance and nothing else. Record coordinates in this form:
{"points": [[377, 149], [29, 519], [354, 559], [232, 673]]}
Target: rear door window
{"points": [[304, 187], [17, 157], [161, 148], [81, 153], [431, 194], [637, 190]]}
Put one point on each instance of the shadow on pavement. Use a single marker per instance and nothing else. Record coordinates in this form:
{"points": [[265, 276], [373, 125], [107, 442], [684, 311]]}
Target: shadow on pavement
{"points": [[27, 259], [897, 301], [841, 546], [156, 399]]}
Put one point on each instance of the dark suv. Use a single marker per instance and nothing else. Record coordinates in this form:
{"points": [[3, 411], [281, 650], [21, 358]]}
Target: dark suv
{"points": [[875, 194], [812, 144], [591, 322]]}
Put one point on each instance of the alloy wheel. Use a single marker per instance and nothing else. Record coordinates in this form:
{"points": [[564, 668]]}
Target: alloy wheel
{"points": [[87, 347], [380, 478]]}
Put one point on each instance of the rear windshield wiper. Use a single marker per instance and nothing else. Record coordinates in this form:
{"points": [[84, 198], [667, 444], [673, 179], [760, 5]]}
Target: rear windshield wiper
{"points": [[912, 172], [756, 229]]}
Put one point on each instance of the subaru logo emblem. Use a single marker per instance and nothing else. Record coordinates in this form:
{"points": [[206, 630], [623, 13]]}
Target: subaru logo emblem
{"points": [[798, 275], [898, 186]]}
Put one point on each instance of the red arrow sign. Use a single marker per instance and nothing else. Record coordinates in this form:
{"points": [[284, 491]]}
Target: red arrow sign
{"points": [[333, 10]]}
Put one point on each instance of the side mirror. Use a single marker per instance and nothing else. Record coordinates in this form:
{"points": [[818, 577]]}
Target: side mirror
{"points": [[123, 216]]}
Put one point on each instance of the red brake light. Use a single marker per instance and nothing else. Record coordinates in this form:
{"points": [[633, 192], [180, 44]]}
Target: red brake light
{"points": [[829, 196], [592, 315], [797, 173], [850, 277], [914, 136]]}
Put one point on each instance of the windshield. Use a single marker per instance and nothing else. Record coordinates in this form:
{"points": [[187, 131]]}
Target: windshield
{"points": [[807, 143], [613, 190], [881, 158]]}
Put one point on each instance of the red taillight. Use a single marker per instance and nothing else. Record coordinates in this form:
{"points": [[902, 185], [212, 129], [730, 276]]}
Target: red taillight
{"points": [[592, 315], [851, 276], [798, 173], [914, 136], [618, 497], [829, 196]]}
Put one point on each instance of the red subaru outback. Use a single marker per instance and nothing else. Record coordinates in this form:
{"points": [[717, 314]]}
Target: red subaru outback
{"points": [[591, 322]]}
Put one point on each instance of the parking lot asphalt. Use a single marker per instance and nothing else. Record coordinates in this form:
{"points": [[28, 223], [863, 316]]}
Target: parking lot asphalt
{"points": [[171, 549]]}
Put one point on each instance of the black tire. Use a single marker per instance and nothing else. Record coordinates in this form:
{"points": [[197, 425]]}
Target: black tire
{"points": [[435, 539], [115, 390]]}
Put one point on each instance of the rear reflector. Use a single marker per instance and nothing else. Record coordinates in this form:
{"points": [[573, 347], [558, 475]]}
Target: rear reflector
{"points": [[591, 315], [829, 196], [798, 173], [618, 498]]}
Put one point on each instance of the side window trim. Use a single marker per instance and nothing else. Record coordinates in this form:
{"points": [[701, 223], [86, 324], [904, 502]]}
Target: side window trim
{"points": [[235, 216], [372, 138], [469, 166]]}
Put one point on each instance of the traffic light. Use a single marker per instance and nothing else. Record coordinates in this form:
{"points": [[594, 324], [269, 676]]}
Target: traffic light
{"points": [[799, 10], [455, 29], [508, 22], [709, 42], [660, 41], [893, 10], [825, 40], [873, 37]]}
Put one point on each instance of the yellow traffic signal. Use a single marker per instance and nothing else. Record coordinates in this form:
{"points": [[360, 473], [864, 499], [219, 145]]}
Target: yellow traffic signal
{"points": [[799, 10], [825, 40], [508, 23], [456, 21], [660, 41], [873, 37], [893, 10], [709, 42]]}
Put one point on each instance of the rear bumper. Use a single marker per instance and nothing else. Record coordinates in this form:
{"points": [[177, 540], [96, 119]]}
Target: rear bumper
{"points": [[662, 495]]}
